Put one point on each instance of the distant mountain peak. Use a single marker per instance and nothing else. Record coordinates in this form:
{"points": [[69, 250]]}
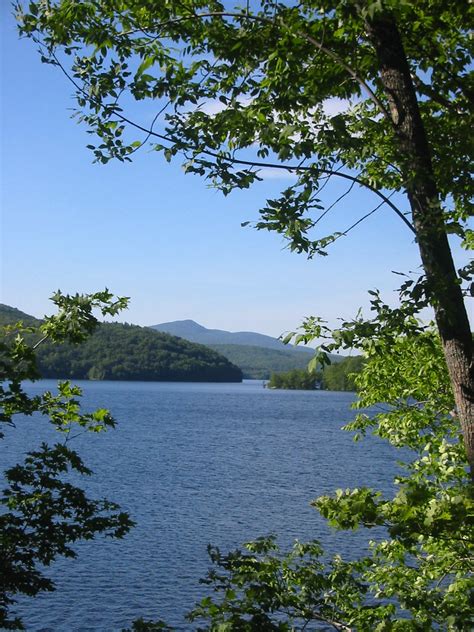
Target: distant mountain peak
{"points": [[186, 325], [188, 321], [190, 330]]}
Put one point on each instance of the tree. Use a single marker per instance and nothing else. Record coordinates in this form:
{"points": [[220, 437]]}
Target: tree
{"points": [[43, 512], [401, 69], [341, 376], [295, 379]]}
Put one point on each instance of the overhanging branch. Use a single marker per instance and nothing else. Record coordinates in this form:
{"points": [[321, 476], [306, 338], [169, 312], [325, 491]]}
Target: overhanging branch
{"points": [[319, 45], [236, 161]]}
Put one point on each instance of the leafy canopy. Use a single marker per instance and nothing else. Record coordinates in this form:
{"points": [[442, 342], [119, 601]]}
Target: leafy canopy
{"points": [[294, 86]]}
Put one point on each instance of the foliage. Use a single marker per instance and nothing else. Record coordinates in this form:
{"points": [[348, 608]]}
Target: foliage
{"points": [[271, 68], [127, 352], [143, 625], [341, 376], [421, 573], [258, 589], [298, 379], [43, 513]]}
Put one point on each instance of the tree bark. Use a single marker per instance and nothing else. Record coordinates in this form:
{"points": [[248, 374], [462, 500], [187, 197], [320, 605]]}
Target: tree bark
{"points": [[443, 286]]}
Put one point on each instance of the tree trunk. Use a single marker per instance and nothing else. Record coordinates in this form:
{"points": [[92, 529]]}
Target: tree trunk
{"points": [[443, 286]]}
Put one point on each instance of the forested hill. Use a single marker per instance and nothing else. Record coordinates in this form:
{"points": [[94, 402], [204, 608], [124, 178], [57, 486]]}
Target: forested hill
{"points": [[256, 354], [9, 315], [129, 352]]}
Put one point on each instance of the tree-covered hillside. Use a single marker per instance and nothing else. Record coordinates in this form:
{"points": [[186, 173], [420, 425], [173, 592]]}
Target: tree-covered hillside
{"points": [[129, 352], [257, 355], [9, 315], [259, 363]]}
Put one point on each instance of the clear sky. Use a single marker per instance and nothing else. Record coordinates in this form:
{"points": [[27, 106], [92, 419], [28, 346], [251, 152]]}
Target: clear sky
{"points": [[148, 231]]}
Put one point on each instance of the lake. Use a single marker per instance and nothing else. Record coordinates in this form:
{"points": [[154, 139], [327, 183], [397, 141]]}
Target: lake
{"points": [[196, 464]]}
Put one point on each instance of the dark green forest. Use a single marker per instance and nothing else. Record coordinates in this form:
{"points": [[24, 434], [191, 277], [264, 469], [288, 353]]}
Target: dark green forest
{"points": [[128, 352], [296, 379], [335, 377], [10, 315], [340, 376]]}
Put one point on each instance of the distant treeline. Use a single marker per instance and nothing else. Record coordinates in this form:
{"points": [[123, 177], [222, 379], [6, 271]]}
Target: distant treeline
{"points": [[296, 379], [335, 377], [340, 376]]}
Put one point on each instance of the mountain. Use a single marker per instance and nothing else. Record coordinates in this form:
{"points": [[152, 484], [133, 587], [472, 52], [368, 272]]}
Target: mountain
{"points": [[128, 352], [256, 354], [259, 363], [190, 330], [9, 315]]}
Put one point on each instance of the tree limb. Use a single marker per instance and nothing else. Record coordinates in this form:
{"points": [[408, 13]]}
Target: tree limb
{"points": [[319, 45], [236, 161]]}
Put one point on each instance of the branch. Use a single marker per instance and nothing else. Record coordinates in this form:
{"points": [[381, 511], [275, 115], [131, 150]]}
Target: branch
{"points": [[331, 206], [319, 45], [330, 172], [373, 97], [428, 91], [43, 339], [359, 221], [341, 627], [235, 161], [363, 218]]}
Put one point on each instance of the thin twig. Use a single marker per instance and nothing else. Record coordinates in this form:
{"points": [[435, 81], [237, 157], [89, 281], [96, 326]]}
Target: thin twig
{"points": [[35, 346], [319, 45], [263, 165], [331, 206]]}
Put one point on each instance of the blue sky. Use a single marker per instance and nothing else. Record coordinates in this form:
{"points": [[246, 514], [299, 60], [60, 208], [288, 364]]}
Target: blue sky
{"points": [[148, 231]]}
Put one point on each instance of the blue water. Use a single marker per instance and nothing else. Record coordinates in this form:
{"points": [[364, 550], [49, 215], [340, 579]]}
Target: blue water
{"points": [[195, 464]]}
